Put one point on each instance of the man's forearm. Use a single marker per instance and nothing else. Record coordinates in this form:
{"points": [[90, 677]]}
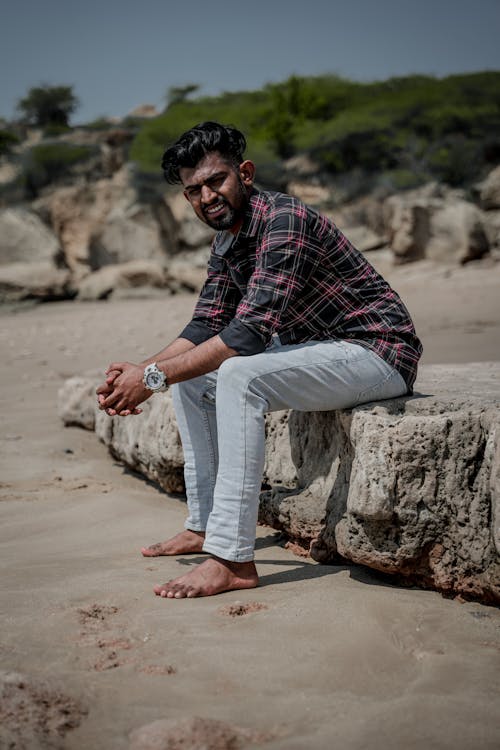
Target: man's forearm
{"points": [[178, 346], [195, 361]]}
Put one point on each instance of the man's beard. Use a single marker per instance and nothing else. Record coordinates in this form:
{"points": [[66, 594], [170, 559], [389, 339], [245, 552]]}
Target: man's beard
{"points": [[232, 214]]}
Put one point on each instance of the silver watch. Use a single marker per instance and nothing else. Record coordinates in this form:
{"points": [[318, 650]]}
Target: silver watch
{"points": [[154, 378]]}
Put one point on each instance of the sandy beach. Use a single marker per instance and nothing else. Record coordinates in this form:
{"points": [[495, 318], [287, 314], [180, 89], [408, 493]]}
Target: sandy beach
{"points": [[319, 657]]}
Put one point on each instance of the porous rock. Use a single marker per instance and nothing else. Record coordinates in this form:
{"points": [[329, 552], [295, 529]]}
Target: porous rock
{"points": [[148, 274], [408, 486], [24, 238], [489, 190], [435, 223], [38, 281]]}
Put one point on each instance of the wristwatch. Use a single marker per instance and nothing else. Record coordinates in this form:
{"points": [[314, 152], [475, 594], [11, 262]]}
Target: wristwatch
{"points": [[154, 379]]}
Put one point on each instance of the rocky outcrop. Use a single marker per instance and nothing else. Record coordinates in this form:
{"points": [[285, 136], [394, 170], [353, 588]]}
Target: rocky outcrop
{"points": [[35, 281], [105, 223], [436, 223], [24, 238], [143, 276], [489, 190], [409, 487]]}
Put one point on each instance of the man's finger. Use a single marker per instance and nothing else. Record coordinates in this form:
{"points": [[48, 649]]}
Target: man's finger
{"points": [[119, 366]]}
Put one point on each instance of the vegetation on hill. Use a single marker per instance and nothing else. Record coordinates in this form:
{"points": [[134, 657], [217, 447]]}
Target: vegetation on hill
{"points": [[399, 132], [48, 106]]}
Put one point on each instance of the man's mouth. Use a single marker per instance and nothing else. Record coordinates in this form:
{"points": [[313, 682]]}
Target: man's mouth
{"points": [[215, 209]]}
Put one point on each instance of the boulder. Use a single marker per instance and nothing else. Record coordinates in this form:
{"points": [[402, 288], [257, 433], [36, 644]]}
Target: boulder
{"points": [[104, 223], [39, 281], [489, 190], [120, 279], [435, 223], [409, 486], [193, 233], [24, 238]]}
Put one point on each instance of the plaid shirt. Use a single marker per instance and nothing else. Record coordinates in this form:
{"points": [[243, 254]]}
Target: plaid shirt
{"points": [[291, 272]]}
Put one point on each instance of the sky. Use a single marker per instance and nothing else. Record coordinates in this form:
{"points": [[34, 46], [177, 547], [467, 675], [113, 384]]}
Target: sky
{"points": [[118, 54]]}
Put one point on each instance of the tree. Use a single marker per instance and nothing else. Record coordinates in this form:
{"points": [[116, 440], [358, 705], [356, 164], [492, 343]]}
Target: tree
{"points": [[178, 94], [48, 105]]}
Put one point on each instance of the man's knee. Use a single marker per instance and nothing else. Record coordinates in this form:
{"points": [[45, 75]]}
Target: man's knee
{"points": [[235, 372]]}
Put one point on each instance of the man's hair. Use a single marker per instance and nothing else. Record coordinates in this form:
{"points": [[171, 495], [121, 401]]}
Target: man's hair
{"points": [[200, 140]]}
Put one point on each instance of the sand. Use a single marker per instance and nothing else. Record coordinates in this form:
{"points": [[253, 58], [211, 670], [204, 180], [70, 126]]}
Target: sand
{"points": [[317, 656]]}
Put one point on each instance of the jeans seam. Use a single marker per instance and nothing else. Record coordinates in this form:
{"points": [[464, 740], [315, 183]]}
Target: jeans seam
{"points": [[383, 382], [208, 435]]}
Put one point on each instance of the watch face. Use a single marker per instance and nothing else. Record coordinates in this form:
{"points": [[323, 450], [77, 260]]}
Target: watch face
{"points": [[154, 380]]}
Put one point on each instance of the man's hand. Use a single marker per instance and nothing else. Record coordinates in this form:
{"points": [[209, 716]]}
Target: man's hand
{"points": [[123, 389]]}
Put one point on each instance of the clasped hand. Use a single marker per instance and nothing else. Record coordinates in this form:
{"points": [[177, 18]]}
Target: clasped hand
{"points": [[123, 390]]}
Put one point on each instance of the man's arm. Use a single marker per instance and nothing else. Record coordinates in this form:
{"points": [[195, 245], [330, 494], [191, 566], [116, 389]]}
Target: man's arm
{"points": [[129, 390], [178, 346]]}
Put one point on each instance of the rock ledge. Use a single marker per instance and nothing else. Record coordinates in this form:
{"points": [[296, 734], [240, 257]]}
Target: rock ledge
{"points": [[409, 487]]}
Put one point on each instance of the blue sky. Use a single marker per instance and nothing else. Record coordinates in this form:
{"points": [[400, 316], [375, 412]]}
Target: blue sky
{"points": [[121, 53]]}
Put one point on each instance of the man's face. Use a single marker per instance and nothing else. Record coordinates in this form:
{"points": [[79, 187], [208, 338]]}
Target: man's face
{"points": [[218, 191]]}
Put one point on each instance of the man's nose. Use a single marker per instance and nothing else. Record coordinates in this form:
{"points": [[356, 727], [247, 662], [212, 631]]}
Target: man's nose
{"points": [[207, 194]]}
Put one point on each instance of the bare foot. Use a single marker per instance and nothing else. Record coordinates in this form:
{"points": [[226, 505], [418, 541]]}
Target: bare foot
{"points": [[184, 543], [211, 577]]}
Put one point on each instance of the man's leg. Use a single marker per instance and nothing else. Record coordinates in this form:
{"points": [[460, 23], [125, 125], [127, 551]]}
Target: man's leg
{"points": [[316, 376], [194, 403]]}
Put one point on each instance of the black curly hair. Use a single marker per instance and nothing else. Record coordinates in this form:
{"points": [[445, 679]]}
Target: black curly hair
{"points": [[198, 141]]}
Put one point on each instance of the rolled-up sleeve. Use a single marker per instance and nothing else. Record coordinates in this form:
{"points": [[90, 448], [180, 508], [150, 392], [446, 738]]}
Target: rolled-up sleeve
{"points": [[216, 305]]}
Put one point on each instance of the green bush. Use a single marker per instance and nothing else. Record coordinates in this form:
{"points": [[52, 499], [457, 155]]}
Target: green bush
{"points": [[7, 141], [431, 128], [49, 162]]}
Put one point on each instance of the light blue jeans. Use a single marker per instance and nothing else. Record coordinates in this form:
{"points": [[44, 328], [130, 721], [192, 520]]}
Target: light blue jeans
{"points": [[221, 423]]}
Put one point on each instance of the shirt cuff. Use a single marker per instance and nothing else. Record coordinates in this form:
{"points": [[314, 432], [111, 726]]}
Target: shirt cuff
{"points": [[197, 332], [242, 338]]}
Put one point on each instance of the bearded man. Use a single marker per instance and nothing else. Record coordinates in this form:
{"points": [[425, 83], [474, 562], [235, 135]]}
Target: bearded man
{"points": [[291, 316]]}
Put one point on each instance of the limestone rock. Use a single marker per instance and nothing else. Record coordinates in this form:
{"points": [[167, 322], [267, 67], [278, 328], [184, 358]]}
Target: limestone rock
{"points": [[143, 274], [408, 486], [364, 238], [437, 224], [194, 733], [192, 232], [104, 223], [40, 281], [24, 238], [489, 190]]}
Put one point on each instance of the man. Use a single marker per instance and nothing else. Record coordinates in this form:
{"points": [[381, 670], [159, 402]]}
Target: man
{"points": [[291, 316]]}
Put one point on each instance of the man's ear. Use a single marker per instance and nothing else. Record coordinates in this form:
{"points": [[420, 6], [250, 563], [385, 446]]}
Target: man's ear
{"points": [[247, 172], [186, 196]]}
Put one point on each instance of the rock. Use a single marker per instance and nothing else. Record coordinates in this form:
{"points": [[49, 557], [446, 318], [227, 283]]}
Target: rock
{"points": [[9, 171], [77, 401], [409, 486], [193, 734], [143, 274], [40, 281], [35, 714], [307, 192], [492, 228], [192, 232], [364, 238], [24, 238], [437, 224], [104, 223], [489, 190]]}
